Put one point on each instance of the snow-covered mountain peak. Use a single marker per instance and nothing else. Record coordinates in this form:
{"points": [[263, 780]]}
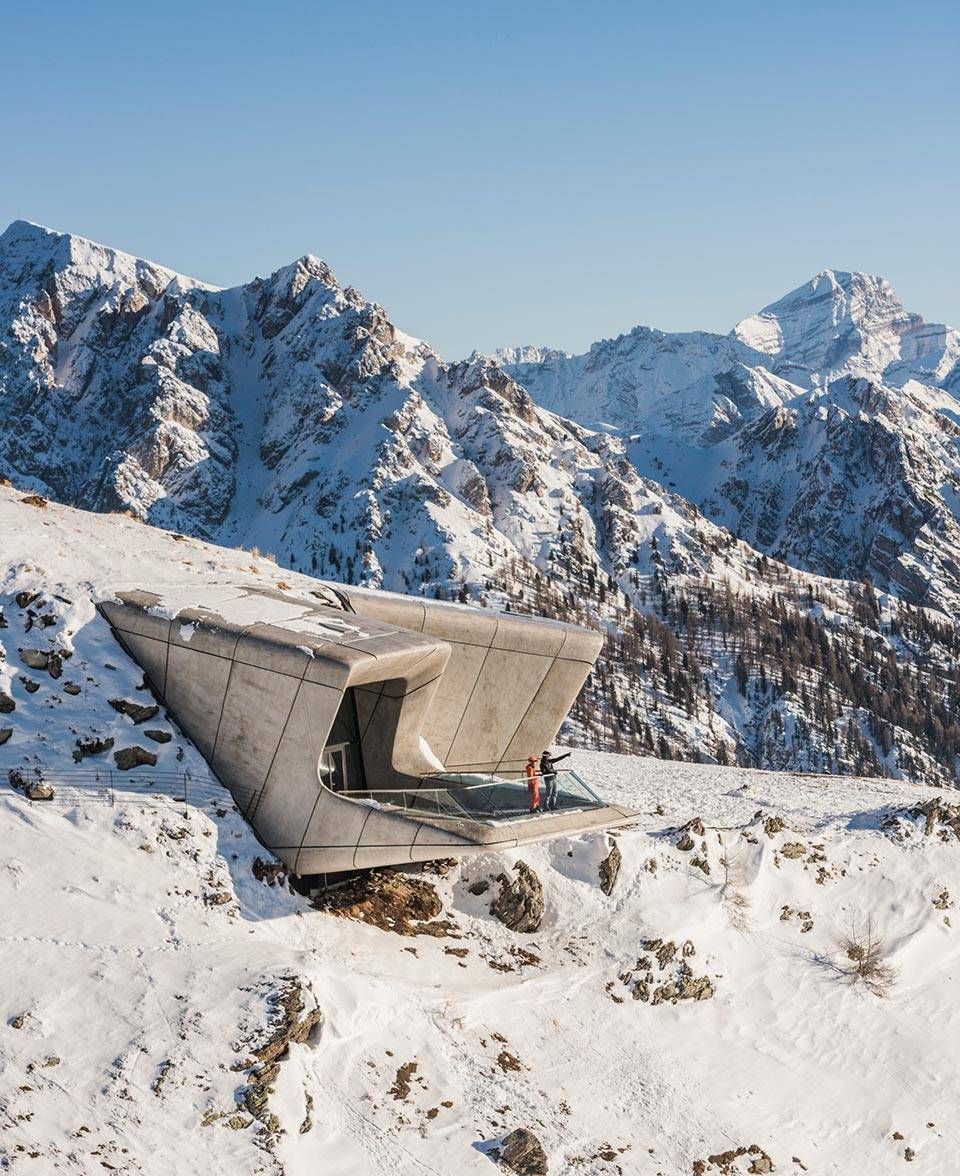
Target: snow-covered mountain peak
{"points": [[844, 322], [26, 247]]}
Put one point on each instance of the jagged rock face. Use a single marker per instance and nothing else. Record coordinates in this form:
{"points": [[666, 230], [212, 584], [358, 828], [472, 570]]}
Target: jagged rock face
{"points": [[288, 413], [519, 905], [823, 429], [111, 386], [699, 385], [858, 481], [843, 323]]}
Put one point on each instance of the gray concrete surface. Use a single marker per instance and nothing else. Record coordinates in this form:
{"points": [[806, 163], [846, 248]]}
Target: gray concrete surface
{"points": [[257, 677]]}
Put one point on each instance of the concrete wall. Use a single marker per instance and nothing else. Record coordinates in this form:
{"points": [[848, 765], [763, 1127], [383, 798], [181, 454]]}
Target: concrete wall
{"points": [[435, 685], [508, 686]]}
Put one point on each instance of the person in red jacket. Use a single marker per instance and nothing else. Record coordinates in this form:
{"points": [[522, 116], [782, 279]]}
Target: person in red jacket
{"points": [[533, 783]]}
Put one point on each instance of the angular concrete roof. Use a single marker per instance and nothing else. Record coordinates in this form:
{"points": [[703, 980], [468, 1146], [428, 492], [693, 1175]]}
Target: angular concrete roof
{"points": [[256, 677]]}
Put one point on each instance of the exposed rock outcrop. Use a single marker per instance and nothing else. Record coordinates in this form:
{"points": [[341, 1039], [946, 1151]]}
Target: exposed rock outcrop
{"points": [[92, 746], [523, 1153], [391, 900], [519, 904], [134, 710], [133, 757], [610, 869]]}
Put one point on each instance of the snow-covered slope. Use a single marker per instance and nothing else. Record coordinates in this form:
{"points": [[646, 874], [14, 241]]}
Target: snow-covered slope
{"points": [[169, 1006], [699, 386], [133, 1005]]}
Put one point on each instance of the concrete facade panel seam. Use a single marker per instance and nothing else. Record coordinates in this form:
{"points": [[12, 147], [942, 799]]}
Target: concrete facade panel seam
{"points": [[223, 701], [526, 711], [250, 728], [273, 758], [466, 705]]}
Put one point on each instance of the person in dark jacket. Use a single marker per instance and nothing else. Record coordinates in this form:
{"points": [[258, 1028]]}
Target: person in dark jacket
{"points": [[548, 774]]}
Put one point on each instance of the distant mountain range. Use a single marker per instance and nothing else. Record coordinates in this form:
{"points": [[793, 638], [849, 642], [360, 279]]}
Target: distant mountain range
{"points": [[763, 474]]}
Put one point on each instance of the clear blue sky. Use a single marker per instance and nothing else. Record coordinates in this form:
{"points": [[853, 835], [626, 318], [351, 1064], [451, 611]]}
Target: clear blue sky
{"points": [[500, 173]]}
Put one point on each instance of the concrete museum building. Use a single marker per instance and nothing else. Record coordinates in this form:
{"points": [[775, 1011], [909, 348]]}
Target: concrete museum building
{"points": [[359, 728]]}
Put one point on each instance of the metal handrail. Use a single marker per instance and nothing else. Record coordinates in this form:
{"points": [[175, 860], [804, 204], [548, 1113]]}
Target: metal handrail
{"points": [[458, 797]]}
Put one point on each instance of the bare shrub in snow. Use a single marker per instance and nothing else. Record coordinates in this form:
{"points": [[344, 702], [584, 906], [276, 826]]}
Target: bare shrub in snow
{"points": [[861, 953]]}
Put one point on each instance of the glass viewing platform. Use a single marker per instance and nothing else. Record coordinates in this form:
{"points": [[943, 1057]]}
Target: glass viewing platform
{"points": [[475, 796]]}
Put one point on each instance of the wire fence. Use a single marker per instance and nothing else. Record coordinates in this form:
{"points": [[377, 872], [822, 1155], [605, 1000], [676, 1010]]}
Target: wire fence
{"points": [[108, 786]]}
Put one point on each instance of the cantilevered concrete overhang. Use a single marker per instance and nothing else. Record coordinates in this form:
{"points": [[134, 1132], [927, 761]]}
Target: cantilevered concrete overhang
{"points": [[266, 683]]}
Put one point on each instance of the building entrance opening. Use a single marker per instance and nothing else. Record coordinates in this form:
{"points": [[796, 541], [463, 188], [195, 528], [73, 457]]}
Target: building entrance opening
{"points": [[340, 766], [333, 769]]}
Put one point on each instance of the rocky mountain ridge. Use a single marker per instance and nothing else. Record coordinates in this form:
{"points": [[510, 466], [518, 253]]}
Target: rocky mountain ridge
{"points": [[291, 415], [822, 430]]}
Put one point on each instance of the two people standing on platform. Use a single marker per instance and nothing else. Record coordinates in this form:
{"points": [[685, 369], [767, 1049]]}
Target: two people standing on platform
{"points": [[544, 773]]}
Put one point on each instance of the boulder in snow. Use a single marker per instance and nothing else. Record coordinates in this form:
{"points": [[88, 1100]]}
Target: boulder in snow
{"points": [[523, 1153], [132, 757], [519, 905]]}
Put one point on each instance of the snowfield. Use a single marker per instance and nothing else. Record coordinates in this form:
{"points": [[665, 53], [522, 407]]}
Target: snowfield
{"points": [[165, 1009]]}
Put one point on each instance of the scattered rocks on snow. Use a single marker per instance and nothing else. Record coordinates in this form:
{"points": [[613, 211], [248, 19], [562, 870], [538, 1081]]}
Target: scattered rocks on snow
{"points": [[440, 867], [43, 659], [38, 790], [938, 818], [5, 734], [132, 757], [71, 688], [693, 828], [29, 685], [519, 905], [726, 1163], [679, 983], [523, 1153], [25, 599], [271, 872], [7, 705], [610, 869], [157, 736], [92, 746], [133, 710], [400, 1090], [36, 500], [292, 1019]]}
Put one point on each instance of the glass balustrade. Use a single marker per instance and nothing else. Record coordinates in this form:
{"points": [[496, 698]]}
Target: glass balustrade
{"points": [[480, 797]]}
